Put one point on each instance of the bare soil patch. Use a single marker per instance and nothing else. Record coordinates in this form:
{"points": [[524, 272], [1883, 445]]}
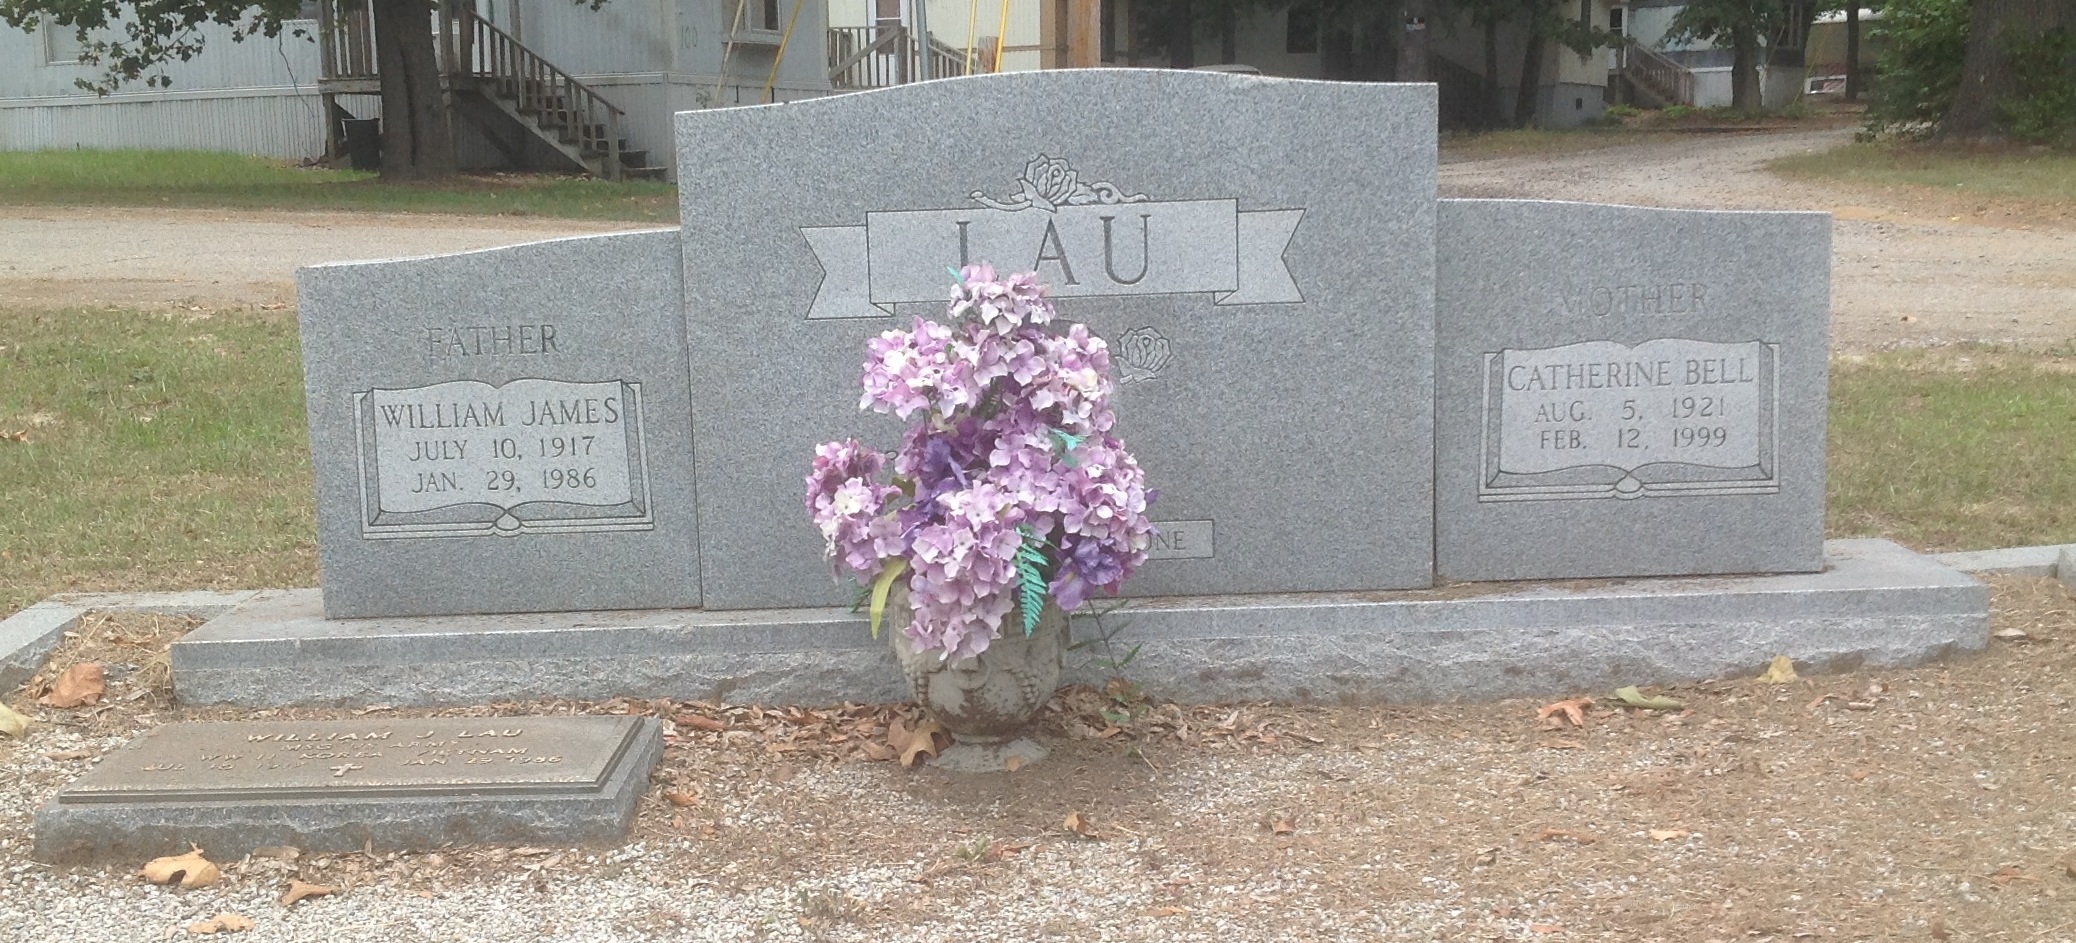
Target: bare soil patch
{"points": [[1925, 803]]}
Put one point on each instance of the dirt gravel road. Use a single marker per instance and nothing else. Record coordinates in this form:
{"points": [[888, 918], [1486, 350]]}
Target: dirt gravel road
{"points": [[1909, 267], [54, 256]]}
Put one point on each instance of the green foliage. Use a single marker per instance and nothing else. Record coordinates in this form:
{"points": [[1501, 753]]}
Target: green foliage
{"points": [[1676, 112], [2044, 109], [1925, 42], [1030, 574], [134, 37], [883, 585], [1623, 111], [1725, 22]]}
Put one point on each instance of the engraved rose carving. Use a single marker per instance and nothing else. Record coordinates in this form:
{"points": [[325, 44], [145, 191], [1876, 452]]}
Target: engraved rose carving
{"points": [[1144, 353], [1050, 182]]}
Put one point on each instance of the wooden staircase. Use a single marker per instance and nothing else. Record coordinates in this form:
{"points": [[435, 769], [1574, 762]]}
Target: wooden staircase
{"points": [[1653, 80], [862, 57], [492, 79]]}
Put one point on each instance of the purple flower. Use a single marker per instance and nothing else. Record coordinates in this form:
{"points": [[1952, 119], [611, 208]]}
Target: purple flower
{"points": [[1009, 435]]}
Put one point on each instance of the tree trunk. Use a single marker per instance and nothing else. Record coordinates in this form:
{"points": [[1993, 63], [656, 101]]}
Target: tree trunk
{"points": [[1987, 73], [1412, 42], [1530, 89], [1852, 50], [1492, 102], [1744, 70], [417, 143]]}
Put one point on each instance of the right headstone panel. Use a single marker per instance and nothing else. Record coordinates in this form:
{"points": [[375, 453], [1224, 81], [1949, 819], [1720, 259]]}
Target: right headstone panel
{"points": [[1624, 391]]}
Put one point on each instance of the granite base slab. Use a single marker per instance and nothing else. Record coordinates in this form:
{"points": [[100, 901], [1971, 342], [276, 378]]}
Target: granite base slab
{"points": [[410, 784], [1875, 603]]}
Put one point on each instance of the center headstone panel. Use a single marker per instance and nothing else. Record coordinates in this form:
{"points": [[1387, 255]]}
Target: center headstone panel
{"points": [[1268, 302]]}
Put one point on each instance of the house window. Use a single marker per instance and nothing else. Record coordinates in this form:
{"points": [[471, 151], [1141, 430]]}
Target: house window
{"points": [[1614, 20], [60, 44], [764, 14], [1301, 29]]}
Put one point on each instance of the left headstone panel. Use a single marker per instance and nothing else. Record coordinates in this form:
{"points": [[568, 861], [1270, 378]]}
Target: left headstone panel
{"points": [[502, 431]]}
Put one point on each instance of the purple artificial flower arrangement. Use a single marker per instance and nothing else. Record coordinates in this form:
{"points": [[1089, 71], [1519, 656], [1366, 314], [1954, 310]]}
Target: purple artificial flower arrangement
{"points": [[1007, 490]]}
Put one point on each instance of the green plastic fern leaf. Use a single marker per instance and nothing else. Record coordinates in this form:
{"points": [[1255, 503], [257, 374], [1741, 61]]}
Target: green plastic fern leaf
{"points": [[1030, 571]]}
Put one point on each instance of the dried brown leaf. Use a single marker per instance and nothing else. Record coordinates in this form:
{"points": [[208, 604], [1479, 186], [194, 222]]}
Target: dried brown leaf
{"points": [[877, 752], [190, 870], [1282, 824], [297, 890], [1937, 928], [1544, 928], [2007, 874], [80, 685], [1582, 838], [1079, 825], [1553, 715], [924, 743], [1668, 834], [681, 798], [69, 755], [698, 722], [225, 922], [1014, 762]]}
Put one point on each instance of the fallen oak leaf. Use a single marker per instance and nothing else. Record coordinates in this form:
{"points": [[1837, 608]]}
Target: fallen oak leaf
{"points": [[681, 798], [1167, 911], [1582, 838], [1282, 825], [298, 890], [191, 870], [924, 743], [1554, 714], [1079, 825], [80, 685], [1014, 762], [1631, 697], [1780, 671], [1668, 834], [2007, 874], [877, 752], [225, 922], [698, 722]]}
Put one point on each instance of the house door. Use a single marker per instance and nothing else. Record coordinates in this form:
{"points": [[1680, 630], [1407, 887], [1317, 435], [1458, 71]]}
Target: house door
{"points": [[894, 66], [1618, 24]]}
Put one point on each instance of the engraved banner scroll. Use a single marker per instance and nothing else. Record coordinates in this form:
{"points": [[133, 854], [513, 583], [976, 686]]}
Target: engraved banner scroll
{"points": [[1664, 418], [467, 459], [1083, 238]]}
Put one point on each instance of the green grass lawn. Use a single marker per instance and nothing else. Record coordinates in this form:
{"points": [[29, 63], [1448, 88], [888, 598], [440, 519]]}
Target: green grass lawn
{"points": [[1955, 449], [231, 181], [143, 450], [2029, 175]]}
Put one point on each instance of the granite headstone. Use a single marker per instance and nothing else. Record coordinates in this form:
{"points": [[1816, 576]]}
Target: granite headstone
{"points": [[502, 431], [1624, 391], [1258, 252]]}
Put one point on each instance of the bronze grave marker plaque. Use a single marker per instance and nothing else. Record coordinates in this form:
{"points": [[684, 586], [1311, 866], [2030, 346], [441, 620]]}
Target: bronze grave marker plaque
{"points": [[386, 783]]}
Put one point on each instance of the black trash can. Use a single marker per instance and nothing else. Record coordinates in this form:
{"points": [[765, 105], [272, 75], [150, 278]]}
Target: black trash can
{"points": [[363, 137]]}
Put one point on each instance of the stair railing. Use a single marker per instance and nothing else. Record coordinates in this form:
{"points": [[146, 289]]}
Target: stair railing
{"points": [[879, 56], [476, 49], [1670, 80]]}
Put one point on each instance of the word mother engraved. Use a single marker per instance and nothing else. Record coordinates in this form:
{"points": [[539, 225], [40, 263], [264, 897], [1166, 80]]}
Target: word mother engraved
{"points": [[1664, 418], [534, 456], [1083, 240]]}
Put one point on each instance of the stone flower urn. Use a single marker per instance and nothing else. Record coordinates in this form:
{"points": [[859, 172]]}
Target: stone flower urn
{"points": [[987, 701]]}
